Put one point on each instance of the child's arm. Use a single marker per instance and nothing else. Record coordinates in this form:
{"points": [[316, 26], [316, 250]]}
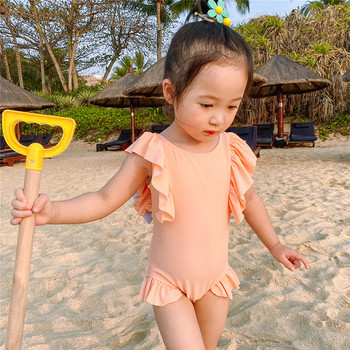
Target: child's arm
{"points": [[256, 216], [87, 207]]}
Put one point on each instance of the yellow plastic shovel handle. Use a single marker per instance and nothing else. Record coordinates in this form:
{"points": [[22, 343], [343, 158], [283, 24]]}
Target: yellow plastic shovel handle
{"points": [[35, 152]]}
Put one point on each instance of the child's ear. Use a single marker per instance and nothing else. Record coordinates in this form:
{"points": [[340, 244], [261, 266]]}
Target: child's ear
{"points": [[168, 91]]}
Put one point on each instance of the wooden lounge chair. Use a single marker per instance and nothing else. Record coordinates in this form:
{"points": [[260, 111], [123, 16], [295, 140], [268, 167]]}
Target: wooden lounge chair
{"points": [[249, 135], [123, 141], [264, 137], [302, 133], [158, 128]]}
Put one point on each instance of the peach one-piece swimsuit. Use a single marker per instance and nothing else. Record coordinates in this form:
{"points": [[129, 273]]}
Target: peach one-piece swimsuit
{"points": [[191, 197]]}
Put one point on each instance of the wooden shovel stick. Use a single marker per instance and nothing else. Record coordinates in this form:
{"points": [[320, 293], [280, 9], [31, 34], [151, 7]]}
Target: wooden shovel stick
{"points": [[22, 266]]}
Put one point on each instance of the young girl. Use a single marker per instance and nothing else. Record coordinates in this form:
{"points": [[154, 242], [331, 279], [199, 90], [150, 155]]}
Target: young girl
{"points": [[191, 177]]}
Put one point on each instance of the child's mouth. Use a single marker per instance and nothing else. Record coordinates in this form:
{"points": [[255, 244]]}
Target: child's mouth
{"points": [[210, 132]]}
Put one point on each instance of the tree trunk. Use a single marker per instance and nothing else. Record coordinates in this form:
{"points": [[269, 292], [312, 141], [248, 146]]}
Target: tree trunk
{"points": [[72, 48], [48, 46], [116, 50], [49, 83], [70, 64], [6, 62], [159, 32], [42, 66], [17, 53], [109, 68], [75, 78]]}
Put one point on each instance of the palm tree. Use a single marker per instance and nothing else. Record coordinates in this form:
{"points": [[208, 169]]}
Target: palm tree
{"points": [[166, 10], [137, 63], [161, 11], [192, 6], [310, 6]]}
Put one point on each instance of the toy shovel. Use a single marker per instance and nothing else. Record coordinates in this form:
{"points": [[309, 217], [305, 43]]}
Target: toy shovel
{"points": [[35, 154]]}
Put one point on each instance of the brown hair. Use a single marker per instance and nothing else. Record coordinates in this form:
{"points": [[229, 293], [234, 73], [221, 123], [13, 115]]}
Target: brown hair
{"points": [[199, 43]]}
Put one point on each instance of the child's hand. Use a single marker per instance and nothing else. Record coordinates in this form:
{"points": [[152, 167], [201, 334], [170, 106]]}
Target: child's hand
{"points": [[290, 258], [42, 207]]}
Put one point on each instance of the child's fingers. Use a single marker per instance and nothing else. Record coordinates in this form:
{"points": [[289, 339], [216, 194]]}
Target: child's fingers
{"points": [[298, 259], [21, 213], [40, 202], [288, 264], [304, 261], [296, 263], [15, 221], [20, 205], [19, 194]]}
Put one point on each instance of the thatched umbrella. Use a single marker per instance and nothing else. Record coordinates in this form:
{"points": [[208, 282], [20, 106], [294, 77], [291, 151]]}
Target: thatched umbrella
{"points": [[14, 97], [346, 76], [113, 96], [286, 77], [149, 83]]}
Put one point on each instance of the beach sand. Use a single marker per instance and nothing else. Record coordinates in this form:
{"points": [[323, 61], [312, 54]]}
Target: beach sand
{"points": [[85, 279]]}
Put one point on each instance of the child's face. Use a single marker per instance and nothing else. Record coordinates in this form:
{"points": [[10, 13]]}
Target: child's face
{"points": [[209, 105]]}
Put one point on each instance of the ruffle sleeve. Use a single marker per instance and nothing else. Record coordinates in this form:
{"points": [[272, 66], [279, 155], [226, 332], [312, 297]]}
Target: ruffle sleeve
{"points": [[150, 147], [243, 163]]}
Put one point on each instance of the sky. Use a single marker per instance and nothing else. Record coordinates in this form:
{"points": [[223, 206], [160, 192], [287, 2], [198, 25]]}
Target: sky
{"points": [[257, 8], [263, 7]]}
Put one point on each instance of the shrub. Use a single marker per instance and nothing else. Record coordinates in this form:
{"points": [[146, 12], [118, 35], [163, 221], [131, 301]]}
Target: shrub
{"points": [[339, 124], [84, 97], [95, 124]]}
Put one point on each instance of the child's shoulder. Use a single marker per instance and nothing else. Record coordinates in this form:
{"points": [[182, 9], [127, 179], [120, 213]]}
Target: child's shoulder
{"points": [[145, 142], [149, 147]]}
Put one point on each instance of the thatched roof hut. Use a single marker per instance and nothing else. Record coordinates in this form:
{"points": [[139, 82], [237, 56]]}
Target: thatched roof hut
{"points": [[288, 77], [149, 83], [14, 97], [346, 76], [114, 96]]}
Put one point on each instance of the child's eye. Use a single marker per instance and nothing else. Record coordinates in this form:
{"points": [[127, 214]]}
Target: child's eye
{"points": [[232, 107], [206, 105]]}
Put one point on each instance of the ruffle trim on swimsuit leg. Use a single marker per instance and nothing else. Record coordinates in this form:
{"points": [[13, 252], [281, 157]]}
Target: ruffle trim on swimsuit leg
{"points": [[223, 288], [158, 293]]}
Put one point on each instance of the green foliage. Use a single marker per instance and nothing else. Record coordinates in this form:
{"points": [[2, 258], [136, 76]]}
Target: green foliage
{"points": [[95, 124], [84, 97], [322, 48], [308, 8], [275, 22], [339, 124], [137, 63], [320, 42], [64, 101]]}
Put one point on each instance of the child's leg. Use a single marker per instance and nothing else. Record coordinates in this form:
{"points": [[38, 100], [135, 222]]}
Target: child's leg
{"points": [[178, 325], [211, 312]]}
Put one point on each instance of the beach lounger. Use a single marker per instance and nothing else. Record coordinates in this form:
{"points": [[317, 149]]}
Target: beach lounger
{"points": [[45, 141], [159, 128], [2, 142], [9, 156], [264, 137], [123, 141], [249, 135], [302, 133]]}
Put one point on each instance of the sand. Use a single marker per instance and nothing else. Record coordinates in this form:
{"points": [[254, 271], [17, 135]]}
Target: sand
{"points": [[85, 279]]}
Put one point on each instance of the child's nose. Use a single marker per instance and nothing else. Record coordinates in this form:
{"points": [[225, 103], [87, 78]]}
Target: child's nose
{"points": [[217, 118]]}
